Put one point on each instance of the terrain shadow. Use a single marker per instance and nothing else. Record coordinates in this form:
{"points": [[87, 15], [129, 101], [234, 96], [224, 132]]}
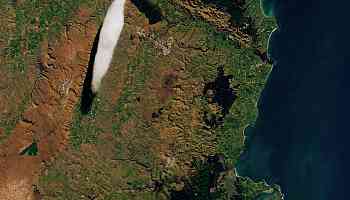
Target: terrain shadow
{"points": [[151, 10], [234, 7], [205, 183], [220, 92], [237, 10], [87, 96]]}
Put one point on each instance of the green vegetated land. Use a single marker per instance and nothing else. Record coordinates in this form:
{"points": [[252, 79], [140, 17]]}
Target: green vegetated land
{"points": [[25, 24], [169, 120]]}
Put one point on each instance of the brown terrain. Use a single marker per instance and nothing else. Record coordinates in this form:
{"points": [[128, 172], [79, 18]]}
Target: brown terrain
{"points": [[47, 119], [217, 17], [128, 142]]}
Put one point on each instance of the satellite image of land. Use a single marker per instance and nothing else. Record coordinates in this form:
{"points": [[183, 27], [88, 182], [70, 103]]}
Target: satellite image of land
{"points": [[176, 116]]}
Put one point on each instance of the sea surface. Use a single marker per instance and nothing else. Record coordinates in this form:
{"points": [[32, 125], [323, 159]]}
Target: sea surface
{"points": [[301, 138]]}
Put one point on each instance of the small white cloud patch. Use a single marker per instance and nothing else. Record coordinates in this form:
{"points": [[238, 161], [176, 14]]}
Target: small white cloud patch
{"points": [[108, 39]]}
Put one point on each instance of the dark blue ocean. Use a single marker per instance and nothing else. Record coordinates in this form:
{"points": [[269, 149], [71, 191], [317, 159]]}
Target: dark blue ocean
{"points": [[301, 138]]}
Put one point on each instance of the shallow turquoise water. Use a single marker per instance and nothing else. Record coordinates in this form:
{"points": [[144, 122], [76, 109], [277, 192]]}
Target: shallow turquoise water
{"points": [[268, 6], [301, 137]]}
